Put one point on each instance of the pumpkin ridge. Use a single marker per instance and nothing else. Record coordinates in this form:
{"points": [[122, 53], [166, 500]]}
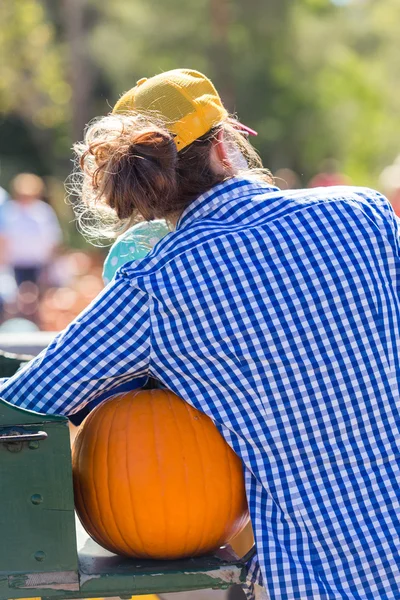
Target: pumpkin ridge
{"points": [[215, 497], [159, 470], [129, 397], [176, 420], [189, 409], [144, 554], [102, 539], [110, 427], [104, 534], [212, 436]]}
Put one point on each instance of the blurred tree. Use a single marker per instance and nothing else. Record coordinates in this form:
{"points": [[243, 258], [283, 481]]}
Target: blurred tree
{"points": [[220, 54], [347, 58], [239, 44], [81, 70], [33, 87], [316, 78]]}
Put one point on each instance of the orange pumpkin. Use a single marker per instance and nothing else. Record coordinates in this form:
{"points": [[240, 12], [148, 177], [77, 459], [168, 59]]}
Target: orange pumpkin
{"points": [[154, 478]]}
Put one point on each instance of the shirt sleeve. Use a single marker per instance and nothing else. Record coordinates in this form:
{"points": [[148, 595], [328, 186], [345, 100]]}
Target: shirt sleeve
{"points": [[105, 346]]}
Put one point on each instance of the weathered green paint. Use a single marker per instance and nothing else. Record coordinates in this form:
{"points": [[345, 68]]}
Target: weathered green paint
{"points": [[36, 536], [139, 578], [124, 577], [12, 415], [103, 573], [10, 363]]}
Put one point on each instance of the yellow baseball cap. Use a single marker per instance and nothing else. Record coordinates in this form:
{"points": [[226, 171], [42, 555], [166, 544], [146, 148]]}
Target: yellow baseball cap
{"points": [[186, 100]]}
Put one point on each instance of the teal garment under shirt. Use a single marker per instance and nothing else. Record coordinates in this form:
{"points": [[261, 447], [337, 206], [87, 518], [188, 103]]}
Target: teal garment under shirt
{"points": [[134, 244]]}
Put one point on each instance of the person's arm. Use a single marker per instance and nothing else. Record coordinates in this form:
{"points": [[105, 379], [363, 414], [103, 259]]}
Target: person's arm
{"points": [[2, 249], [3, 241], [105, 346], [134, 244]]}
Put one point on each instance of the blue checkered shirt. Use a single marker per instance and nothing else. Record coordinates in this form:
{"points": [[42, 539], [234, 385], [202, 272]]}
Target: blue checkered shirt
{"points": [[277, 314]]}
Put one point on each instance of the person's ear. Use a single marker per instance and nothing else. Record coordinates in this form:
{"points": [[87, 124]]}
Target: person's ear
{"points": [[219, 153]]}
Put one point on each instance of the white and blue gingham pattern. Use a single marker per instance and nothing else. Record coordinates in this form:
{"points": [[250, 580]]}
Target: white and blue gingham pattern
{"points": [[277, 314]]}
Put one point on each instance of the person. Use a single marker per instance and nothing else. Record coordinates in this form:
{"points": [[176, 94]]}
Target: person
{"points": [[3, 267], [134, 244], [287, 179], [30, 228], [329, 175], [389, 180], [274, 312]]}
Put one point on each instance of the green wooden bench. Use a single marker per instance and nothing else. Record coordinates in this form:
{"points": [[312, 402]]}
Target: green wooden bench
{"points": [[44, 551]]}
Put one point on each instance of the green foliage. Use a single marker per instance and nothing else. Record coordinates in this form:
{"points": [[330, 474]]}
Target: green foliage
{"points": [[34, 92], [314, 78], [348, 58], [32, 76], [238, 44]]}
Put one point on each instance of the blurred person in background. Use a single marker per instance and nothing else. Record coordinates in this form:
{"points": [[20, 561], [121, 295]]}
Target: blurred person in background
{"points": [[3, 268], [287, 179], [275, 312], [329, 175], [3, 196], [31, 232], [3, 199], [390, 183]]}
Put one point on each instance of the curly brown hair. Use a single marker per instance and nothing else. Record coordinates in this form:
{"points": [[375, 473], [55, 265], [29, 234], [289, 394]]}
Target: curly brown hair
{"points": [[128, 169]]}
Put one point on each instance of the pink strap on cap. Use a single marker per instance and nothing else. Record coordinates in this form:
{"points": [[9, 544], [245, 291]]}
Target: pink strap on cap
{"points": [[244, 128]]}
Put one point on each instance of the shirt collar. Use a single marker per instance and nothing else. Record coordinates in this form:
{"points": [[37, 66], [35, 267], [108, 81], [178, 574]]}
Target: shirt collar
{"points": [[228, 190]]}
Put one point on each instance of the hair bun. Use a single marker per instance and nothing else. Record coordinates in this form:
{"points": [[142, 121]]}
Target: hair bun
{"points": [[156, 145], [131, 165]]}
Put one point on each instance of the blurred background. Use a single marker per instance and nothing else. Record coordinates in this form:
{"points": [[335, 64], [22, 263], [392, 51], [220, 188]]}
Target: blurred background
{"points": [[318, 79]]}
